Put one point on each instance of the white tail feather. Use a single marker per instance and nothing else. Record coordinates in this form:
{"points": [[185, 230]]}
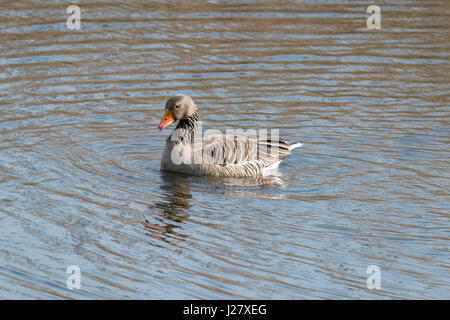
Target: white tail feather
{"points": [[273, 167], [295, 145]]}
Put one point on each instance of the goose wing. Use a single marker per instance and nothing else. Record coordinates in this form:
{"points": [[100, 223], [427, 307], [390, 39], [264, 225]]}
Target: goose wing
{"points": [[239, 149]]}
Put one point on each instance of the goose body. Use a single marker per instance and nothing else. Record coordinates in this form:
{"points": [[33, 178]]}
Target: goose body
{"points": [[228, 155]]}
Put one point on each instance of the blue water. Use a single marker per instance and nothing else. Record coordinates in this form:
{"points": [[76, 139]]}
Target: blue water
{"points": [[80, 151]]}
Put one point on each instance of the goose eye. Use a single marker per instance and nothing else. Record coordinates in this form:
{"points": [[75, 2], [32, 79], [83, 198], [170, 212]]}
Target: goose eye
{"points": [[177, 106]]}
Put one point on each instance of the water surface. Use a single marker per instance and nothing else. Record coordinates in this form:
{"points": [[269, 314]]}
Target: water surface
{"points": [[79, 150]]}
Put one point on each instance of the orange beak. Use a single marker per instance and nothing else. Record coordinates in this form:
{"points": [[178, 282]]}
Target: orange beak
{"points": [[166, 120]]}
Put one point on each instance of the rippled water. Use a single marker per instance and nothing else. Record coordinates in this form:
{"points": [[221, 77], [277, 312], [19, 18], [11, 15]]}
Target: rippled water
{"points": [[79, 150]]}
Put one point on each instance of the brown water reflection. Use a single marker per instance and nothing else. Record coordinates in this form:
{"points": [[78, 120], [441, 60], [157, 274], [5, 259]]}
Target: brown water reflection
{"points": [[173, 208]]}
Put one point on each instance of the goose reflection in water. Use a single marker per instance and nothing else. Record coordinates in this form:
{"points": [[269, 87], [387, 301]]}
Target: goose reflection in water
{"points": [[171, 211], [169, 214]]}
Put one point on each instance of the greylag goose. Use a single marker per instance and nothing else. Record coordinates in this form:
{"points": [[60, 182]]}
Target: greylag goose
{"points": [[190, 151]]}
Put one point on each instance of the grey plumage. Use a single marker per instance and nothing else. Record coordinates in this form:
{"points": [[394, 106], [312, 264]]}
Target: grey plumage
{"points": [[238, 155]]}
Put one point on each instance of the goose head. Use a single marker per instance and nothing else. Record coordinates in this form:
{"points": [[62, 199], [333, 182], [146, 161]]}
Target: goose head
{"points": [[179, 107]]}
